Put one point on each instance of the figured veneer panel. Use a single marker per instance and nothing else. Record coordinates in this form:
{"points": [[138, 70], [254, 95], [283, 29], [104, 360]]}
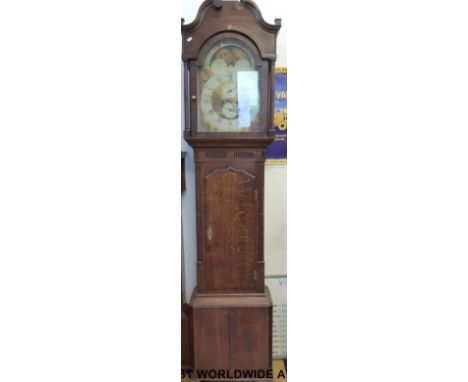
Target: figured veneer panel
{"points": [[231, 237]]}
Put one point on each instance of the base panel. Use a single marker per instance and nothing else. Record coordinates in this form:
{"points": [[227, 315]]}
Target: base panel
{"points": [[232, 334]]}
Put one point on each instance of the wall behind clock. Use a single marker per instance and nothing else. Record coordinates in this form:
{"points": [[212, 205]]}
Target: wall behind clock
{"points": [[275, 175]]}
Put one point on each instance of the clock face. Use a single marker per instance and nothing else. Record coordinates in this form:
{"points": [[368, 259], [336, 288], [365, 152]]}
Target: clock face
{"points": [[228, 89]]}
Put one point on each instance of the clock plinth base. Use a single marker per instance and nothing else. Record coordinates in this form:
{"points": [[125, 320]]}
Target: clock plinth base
{"points": [[232, 335]]}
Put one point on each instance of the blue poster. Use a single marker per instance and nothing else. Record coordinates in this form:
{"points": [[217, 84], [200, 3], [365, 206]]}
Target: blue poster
{"points": [[277, 151]]}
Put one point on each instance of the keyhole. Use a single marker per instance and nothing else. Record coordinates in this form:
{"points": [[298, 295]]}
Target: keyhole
{"points": [[209, 233]]}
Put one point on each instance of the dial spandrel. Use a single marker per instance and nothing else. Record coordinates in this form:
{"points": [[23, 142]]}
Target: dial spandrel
{"points": [[228, 89]]}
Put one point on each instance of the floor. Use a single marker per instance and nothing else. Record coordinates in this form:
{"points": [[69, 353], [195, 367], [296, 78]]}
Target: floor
{"points": [[279, 371]]}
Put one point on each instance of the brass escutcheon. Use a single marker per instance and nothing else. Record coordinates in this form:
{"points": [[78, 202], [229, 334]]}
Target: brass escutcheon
{"points": [[209, 233]]}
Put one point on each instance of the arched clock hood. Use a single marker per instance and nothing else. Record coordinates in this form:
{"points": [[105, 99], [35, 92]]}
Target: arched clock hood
{"points": [[245, 18]]}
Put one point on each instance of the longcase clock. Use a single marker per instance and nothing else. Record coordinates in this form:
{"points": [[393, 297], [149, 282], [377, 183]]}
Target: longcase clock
{"points": [[229, 54]]}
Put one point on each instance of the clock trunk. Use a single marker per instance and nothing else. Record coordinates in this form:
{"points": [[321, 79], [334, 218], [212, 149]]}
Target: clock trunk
{"points": [[230, 220]]}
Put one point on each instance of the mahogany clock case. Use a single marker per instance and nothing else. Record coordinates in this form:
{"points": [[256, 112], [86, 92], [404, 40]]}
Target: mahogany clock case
{"points": [[229, 54]]}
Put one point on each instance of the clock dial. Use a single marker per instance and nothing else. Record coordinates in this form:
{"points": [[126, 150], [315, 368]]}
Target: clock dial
{"points": [[228, 89], [242, 65], [230, 110]]}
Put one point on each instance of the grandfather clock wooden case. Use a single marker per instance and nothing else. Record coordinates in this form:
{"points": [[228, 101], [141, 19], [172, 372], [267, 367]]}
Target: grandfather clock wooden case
{"points": [[229, 54]]}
